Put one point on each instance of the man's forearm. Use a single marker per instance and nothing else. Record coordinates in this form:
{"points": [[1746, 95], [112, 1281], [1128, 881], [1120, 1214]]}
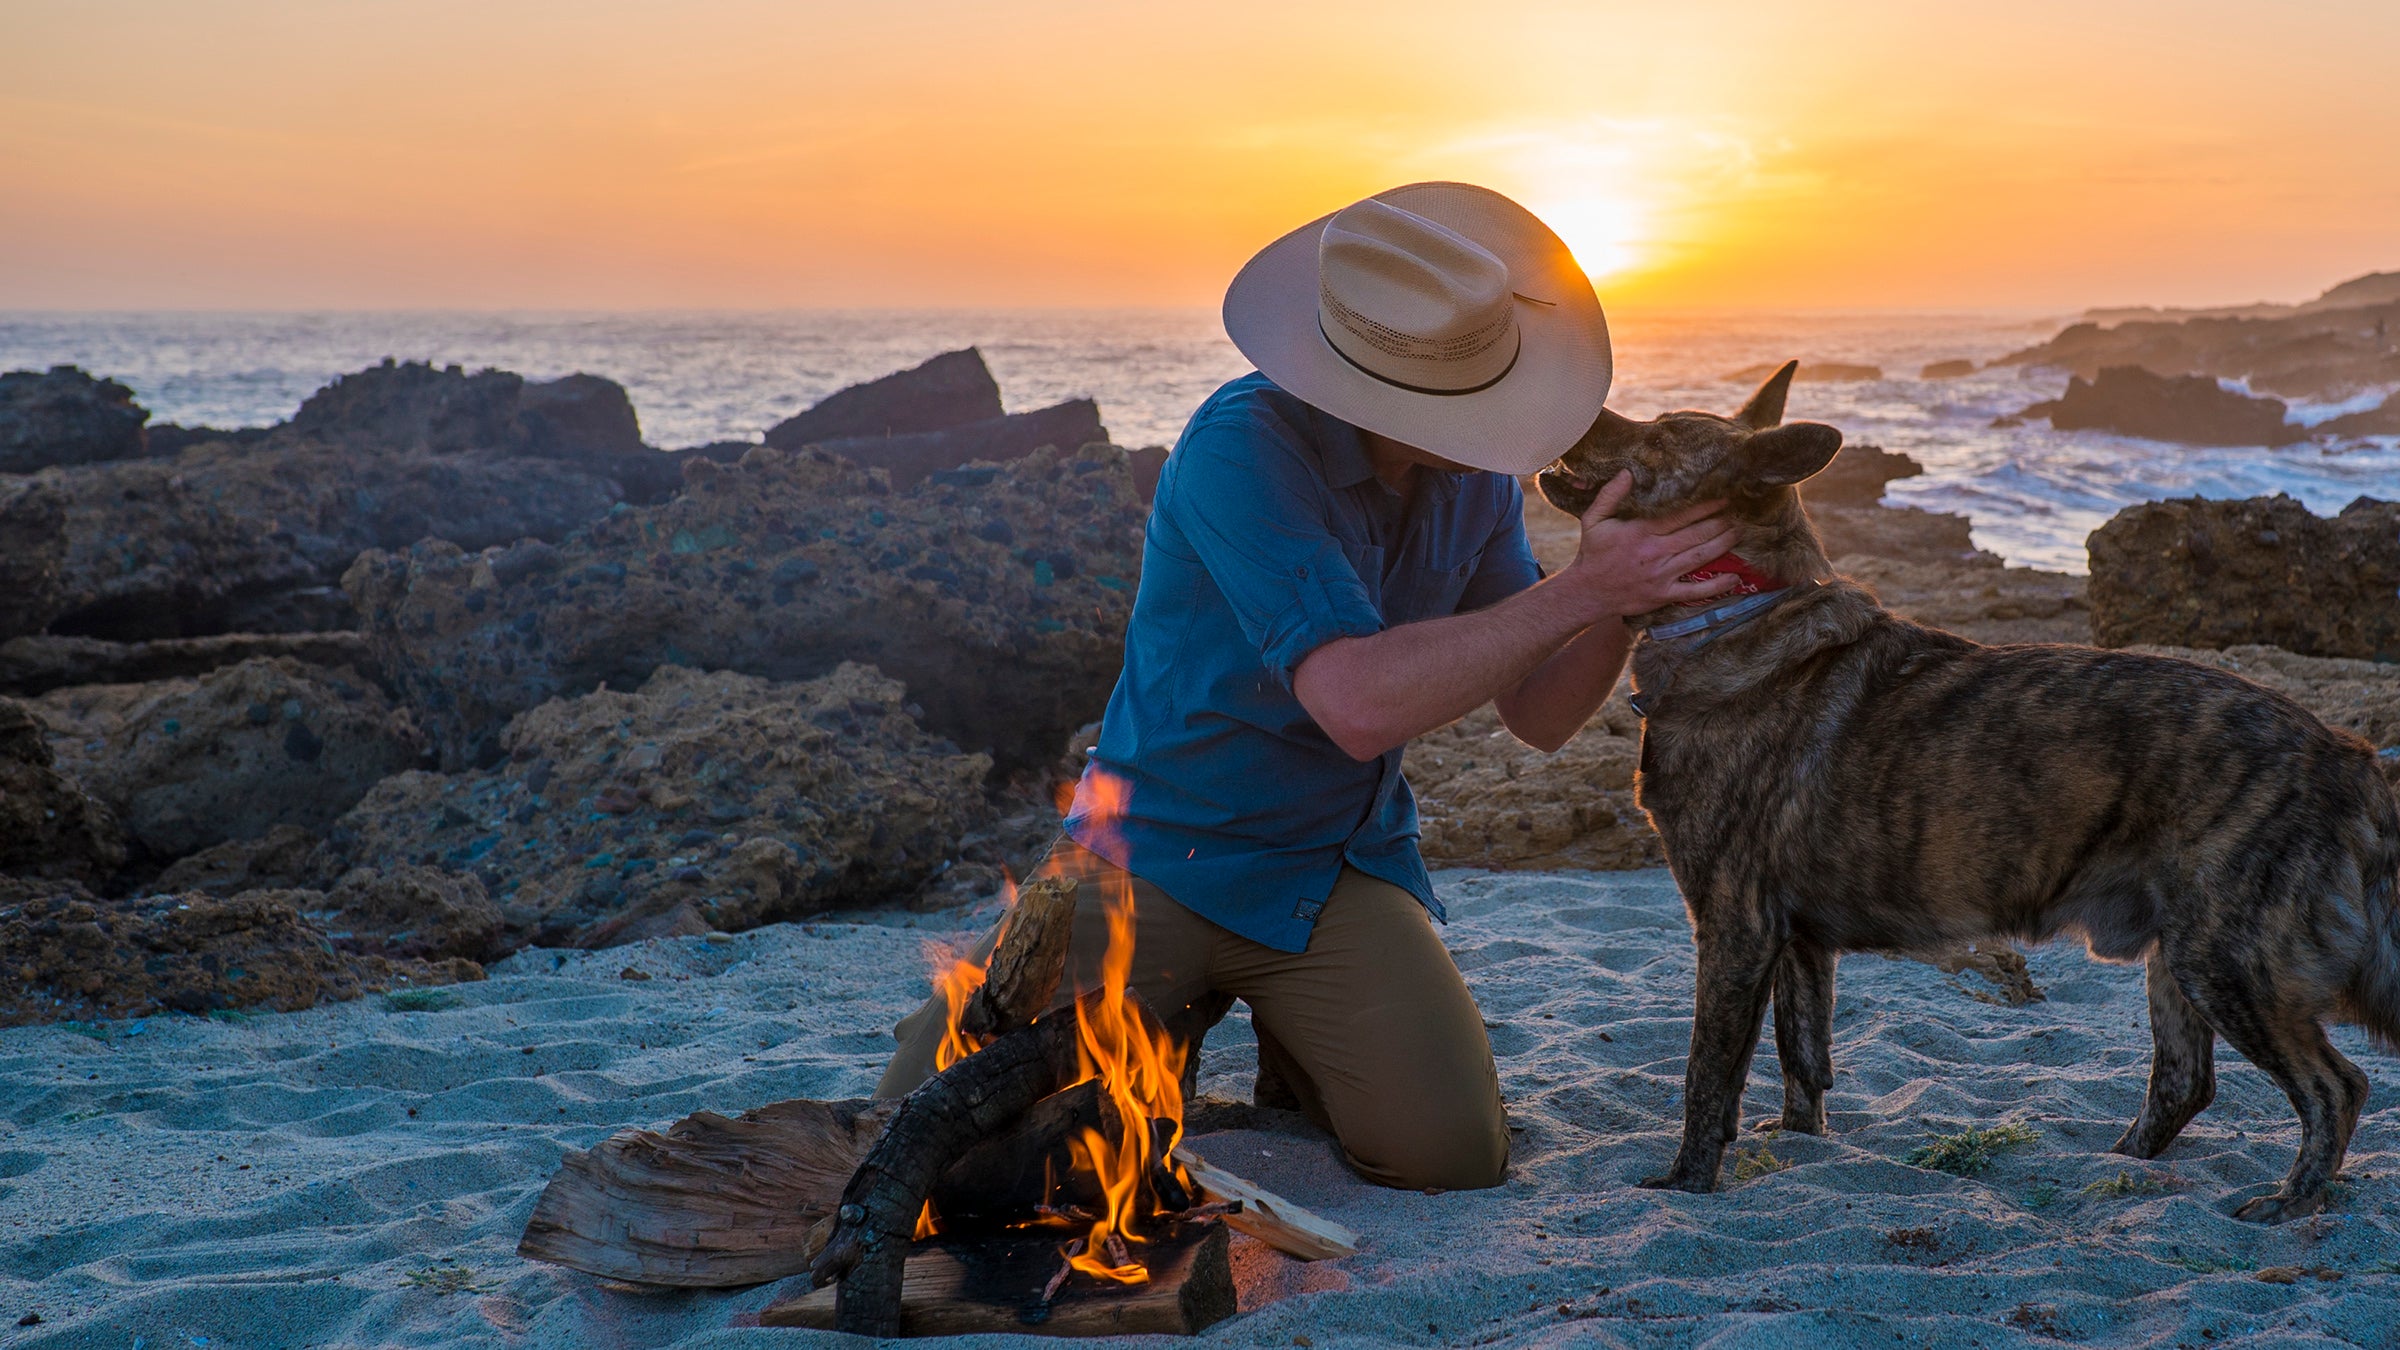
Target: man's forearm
{"points": [[1549, 706], [1373, 693]]}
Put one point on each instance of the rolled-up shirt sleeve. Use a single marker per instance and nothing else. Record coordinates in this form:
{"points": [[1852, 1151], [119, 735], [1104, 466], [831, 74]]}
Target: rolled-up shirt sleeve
{"points": [[1508, 565], [1254, 510]]}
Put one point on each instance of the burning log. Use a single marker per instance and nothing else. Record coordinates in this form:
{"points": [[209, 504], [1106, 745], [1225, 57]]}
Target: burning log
{"points": [[1026, 967], [960, 1286]]}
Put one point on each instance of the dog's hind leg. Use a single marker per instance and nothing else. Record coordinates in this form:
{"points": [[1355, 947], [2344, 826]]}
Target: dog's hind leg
{"points": [[1804, 1033], [1737, 974], [2326, 1090], [2183, 1073]]}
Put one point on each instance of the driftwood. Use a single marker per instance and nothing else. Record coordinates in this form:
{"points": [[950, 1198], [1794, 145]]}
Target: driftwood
{"points": [[1023, 974], [711, 1202], [1269, 1217], [1004, 1179], [997, 1284]]}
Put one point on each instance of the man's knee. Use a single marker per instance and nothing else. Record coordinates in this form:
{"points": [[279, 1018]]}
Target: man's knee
{"points": [[1460, 1146]]}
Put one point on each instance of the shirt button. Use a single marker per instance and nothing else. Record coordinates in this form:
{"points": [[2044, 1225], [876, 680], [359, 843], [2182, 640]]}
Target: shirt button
{"points": [[1300, 572]]}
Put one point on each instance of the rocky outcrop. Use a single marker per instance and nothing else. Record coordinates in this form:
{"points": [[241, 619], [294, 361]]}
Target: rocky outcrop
{"points": [[49, 827], [67, 955], [191, 763], [998, 594], [1486, 799], [1946, 370], [1857, 476], [411, 912], [1810, 372], [37, 665], [33, 553], [912, 459], [700, 801], [285, 858], [2381, 420], [2330, 349], [951, 390], [2192, 409], [174, 548], [65, 416], [2197, 573]]}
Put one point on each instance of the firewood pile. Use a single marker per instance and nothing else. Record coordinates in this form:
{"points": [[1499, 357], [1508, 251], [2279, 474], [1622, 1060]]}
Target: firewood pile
{"points": [[1037, 1183]]}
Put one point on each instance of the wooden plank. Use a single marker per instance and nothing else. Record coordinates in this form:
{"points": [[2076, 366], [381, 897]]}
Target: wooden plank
{"points": [[962, 1286], [1269, 1217]]}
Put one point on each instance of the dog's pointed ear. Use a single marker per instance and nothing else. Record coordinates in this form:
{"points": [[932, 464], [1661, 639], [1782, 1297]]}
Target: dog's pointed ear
{"points": [[1785, 455], [1765, 408]]}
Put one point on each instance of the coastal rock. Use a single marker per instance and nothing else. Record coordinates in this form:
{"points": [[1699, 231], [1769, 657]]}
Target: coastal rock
{"points": [[33, 553], [1857, 476], [191, 763], [49, 827], [701, 801], [177, 548], [411, 911], [414, 408], [64, 416], [1810, 372], [951, 390], [68, 955], [285, 858], [2198, 573], [2381, 420], [911, 459], [1946, 370], [1486, 799], [37, 665], [1902, 532], [998, 594], [2192, 409], [2330, 349]]}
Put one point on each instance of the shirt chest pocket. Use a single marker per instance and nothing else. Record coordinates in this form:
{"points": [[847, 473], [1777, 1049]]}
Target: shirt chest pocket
{"points": [[1416, 588]]}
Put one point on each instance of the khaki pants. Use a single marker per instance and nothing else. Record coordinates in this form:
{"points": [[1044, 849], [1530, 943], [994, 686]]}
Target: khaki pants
{"points": [[1371, 1027]]}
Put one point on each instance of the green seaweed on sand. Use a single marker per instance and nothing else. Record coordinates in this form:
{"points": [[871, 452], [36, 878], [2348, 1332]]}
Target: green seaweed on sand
{"points": [[2125, 1184], [1970, 1151], [448, 1278], [1748, 1166]]}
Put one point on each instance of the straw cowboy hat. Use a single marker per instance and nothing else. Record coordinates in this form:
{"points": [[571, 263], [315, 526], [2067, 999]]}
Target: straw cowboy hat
{"points": [[1442, 315]]}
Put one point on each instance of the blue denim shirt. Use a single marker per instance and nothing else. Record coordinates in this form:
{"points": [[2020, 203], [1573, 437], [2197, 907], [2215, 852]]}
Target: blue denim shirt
{"points": [[1270, 535]]}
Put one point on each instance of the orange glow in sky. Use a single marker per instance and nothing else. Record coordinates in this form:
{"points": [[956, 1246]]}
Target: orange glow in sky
{"points": [[771, 153]]}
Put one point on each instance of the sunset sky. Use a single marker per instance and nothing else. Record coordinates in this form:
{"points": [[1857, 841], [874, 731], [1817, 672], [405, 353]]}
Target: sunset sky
{"points": [[742, 153]]}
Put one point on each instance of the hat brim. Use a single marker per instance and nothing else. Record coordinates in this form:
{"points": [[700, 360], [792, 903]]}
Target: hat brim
{"points": [[1545, 403]]}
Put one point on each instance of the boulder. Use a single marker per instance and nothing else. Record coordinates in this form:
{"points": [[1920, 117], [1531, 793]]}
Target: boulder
{"points": [[285, 858], [998, 594], [49, 827], [411, 911], [1857, 476], [65, 417], [2323, 352], [911, 459], [1946, 370], [950, 390], [2192, 409], [37, 665], [2198, 573], [180, 547], [33, 553], [1486, 799], [2381, 420], [1810, 372], [191, 763], [67, 955], [698, 801], [1903, 532], [1146, 464]]}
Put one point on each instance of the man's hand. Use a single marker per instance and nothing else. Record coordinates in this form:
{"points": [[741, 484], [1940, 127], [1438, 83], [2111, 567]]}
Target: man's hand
{"points": [[1628, 567]]}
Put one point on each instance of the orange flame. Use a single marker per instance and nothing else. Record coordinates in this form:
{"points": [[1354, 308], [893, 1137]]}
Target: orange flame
{"points": [[1139, 1066]]}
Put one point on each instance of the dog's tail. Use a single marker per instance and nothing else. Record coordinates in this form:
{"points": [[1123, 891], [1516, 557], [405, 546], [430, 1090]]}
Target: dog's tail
{"points": [[2375, 983]]}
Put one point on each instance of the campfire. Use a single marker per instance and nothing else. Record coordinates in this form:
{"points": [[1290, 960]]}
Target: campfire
{"points": [[1037, 1182]]}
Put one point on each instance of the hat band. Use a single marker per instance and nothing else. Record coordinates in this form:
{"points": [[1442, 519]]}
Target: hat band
{"points": [[1418, 388]]}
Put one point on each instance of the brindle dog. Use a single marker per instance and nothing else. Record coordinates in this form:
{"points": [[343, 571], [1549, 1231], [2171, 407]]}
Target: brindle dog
{"points": [[1829, 778]]}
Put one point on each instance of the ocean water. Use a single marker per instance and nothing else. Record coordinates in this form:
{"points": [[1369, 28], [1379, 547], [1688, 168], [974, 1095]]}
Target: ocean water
{"points": [[2033, 493]]}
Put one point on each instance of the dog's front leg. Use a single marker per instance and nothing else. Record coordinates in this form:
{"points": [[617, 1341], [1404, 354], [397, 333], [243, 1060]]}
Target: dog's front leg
{"points": [[1736, 976]]}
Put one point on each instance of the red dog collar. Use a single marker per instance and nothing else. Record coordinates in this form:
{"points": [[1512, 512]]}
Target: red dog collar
{"points": [[1752, 581]]}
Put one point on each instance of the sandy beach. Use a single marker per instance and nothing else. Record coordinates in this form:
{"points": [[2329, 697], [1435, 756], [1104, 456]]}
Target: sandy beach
{"points": [[358, 1175]]}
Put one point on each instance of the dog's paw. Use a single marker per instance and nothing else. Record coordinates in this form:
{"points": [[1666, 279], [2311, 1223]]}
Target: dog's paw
{"points": [[1789, 1123], [2276, 1207]]}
